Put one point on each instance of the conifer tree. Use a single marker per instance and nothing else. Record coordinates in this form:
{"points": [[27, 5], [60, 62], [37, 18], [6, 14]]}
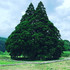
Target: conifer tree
{"points": [[45, 34], [35, 37], [41, 11], [30, 11], [17, 40]]}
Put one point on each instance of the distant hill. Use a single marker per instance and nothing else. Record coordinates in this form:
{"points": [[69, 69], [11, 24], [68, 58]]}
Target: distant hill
{"points": [[2, 44]]}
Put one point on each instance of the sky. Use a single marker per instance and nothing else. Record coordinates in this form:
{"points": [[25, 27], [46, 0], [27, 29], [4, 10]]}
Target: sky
{"points": [[11, 12]]}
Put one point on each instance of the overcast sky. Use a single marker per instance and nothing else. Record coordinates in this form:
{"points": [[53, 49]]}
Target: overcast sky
{"points": [[11, 12]]}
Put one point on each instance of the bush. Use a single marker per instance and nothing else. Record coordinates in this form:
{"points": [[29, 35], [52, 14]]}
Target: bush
{"points": [[65, 54]]}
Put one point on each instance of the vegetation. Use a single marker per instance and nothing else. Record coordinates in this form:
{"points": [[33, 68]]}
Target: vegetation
{"points": [[36, 38], [66, 45], [2, 44], [64, 65], [66, 54], [5, 60]]}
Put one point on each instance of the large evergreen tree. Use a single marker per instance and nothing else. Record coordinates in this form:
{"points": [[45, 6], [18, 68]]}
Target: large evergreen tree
{"points": [[35, 37], [17, 40]]}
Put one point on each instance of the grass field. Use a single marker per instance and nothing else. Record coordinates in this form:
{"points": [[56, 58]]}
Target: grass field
{"points": [[5, 59], [64, 65]]}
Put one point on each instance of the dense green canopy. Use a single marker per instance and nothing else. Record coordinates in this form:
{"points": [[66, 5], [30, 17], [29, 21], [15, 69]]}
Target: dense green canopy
{"points": [[35, 37]]}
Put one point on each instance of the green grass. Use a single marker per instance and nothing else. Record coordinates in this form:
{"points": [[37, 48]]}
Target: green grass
{"points": [[64, 65], [4, 55], [5, 59], [66, 54]]}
